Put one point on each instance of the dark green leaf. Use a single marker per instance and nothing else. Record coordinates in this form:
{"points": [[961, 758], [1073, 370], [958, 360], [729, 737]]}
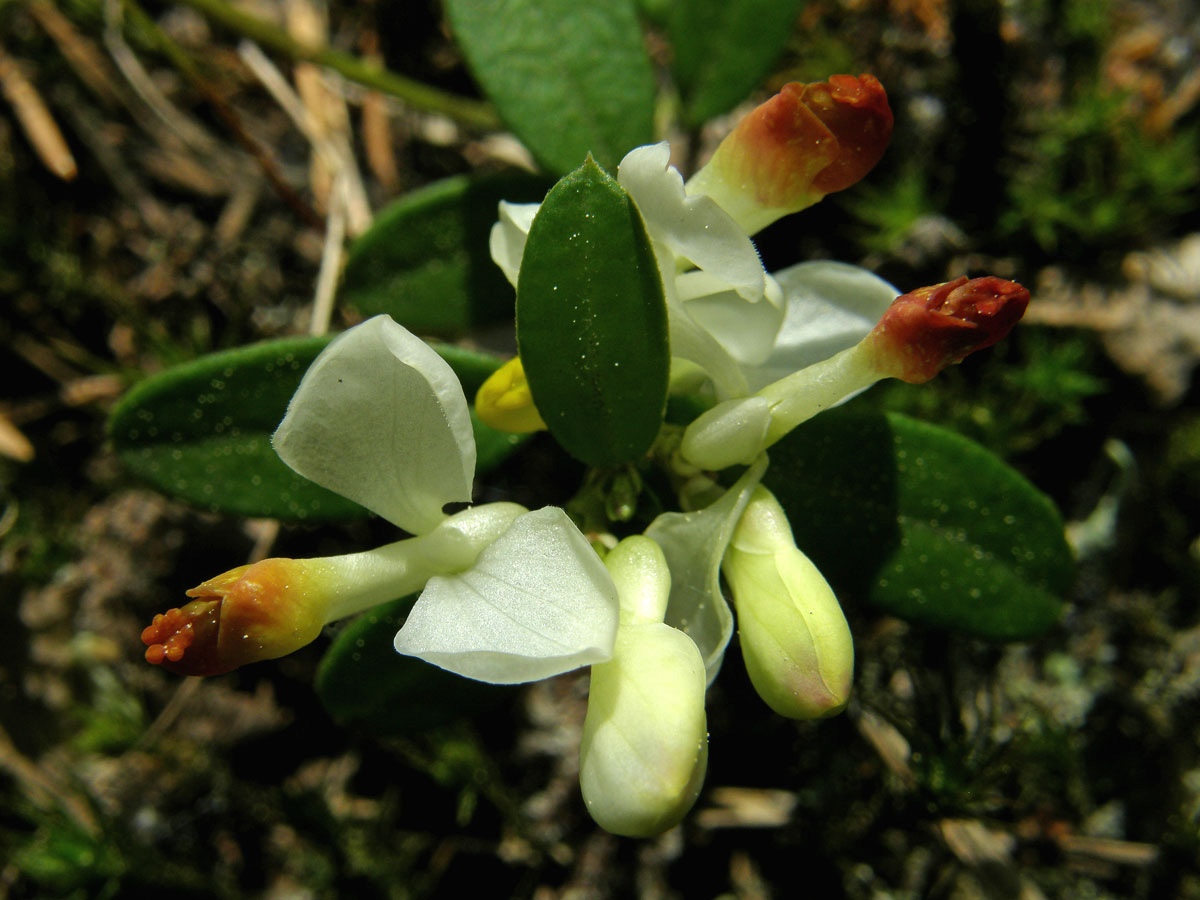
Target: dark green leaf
{"points": [[201, 431], [724, 49], [425, 260], [592, 321], [923, 524], [568, 78], [365, 683]]}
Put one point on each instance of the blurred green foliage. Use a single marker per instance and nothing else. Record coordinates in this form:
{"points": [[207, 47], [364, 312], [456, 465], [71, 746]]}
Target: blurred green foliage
{"points": [[67, 862], [1090, 174], [1087, 170], [112, 719], [889, 210]]}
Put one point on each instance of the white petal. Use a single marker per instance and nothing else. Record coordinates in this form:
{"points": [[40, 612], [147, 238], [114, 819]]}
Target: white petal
{"points": [[829, 306], [691, 341], [748, 331], [507, 238], [694, 228], [694, 544], [381, 418], [536, 603]]}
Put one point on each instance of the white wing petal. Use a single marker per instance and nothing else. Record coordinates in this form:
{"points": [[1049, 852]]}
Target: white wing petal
{"points": [[748, 331], [694, 228], [536, 603], [507, 239], [381, 418]]}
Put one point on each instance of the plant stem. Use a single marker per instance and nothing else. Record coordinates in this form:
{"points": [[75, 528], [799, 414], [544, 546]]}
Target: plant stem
{"points": [[420, 96]]}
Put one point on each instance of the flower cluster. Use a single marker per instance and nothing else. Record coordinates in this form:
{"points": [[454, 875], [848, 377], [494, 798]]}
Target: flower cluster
{"points": [[509, 595]]}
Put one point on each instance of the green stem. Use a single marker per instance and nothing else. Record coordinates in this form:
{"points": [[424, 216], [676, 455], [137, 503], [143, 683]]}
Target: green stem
{"points": [[420, 96], [800, 396]]}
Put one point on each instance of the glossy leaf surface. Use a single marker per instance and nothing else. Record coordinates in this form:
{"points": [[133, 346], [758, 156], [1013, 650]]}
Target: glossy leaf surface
{"points": [[592, 322], [568, 78]]}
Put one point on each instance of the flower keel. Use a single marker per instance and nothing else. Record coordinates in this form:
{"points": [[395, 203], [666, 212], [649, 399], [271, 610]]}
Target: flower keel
{"points": [[644, 748], [251, 613]]}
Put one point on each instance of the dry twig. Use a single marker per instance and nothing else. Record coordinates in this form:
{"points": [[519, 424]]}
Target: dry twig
{"points": [[35, 118]]}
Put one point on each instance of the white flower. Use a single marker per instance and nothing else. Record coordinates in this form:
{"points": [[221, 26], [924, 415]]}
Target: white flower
{"points": [[744, 329], [381, 418]]}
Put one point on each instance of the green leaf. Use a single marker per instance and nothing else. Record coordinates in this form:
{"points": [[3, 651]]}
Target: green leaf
{"points": [[568, 78], [923, 524], [724, 49], [366, 684], [201, 431], [425, 260], [592, 321]]}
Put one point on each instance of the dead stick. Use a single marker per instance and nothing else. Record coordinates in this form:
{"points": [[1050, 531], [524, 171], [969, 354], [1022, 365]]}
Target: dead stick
{"points": [[414, 93], [35, 118], [227, 114]]}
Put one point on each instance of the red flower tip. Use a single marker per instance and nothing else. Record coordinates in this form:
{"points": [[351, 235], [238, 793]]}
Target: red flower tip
{"points": [[805, 142], [856, 112], [250, 613], [184, 641], [817, 138], [930, 328]]}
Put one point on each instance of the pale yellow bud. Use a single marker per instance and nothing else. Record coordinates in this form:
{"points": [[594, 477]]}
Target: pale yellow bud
{"points": [[794, 637], [645, 740]]}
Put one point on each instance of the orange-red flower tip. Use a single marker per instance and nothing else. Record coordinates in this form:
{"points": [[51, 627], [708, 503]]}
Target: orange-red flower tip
{"points": [[803, 143], [247, 614], [856, 112], [930, 328], [184, 640]]}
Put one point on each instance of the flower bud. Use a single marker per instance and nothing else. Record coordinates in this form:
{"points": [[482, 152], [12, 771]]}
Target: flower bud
{"points": [[254, 612], [795, 641], [807, 141], [928, 329], [505, 403], [645, 740]]}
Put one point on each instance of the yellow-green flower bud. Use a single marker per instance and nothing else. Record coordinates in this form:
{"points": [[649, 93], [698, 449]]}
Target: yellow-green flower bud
{"points": [[794, 637], [645, 740]]}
